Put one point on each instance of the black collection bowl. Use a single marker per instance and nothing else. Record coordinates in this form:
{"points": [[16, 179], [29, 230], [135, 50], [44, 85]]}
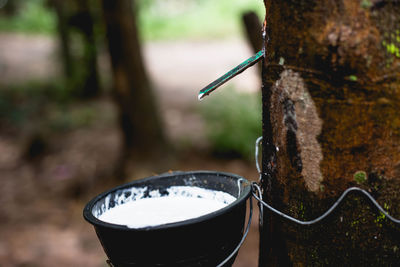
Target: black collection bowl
{"points": [[202, 241]]}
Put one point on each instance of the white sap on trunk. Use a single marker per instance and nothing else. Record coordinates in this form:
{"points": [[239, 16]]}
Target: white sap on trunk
{"points": [[181, 203]]}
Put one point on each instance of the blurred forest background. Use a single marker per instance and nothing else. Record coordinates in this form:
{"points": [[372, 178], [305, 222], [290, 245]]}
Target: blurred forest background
{"points": [[97, 93]]}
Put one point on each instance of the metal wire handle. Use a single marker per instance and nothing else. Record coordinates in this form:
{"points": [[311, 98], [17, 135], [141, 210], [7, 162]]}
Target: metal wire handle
{"points": [[257, 189], [243, 237]]}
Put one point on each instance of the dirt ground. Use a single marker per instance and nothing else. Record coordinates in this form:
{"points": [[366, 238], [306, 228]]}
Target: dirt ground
{"points": [[42, 199]]}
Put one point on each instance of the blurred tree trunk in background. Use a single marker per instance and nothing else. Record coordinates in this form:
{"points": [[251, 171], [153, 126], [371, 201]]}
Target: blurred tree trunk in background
{"points": [[138, 111], [253, 28], [64, 37], [80, 70], [84, 22], [331, 109], [9, 7]]}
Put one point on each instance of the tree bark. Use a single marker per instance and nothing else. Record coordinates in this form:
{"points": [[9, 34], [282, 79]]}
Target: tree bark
{"points": [[331, 109], [138, 111]]}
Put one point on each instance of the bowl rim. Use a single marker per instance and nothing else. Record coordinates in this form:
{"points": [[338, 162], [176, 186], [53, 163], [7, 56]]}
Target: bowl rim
{"points": [[89, 217]]}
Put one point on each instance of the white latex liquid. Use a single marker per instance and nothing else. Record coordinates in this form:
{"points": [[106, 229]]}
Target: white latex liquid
{"points": [[181, 204]]}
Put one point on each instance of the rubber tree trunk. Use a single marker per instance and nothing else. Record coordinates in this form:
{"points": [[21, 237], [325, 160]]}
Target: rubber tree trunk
{"points": [[331, 120], [138, 112]]}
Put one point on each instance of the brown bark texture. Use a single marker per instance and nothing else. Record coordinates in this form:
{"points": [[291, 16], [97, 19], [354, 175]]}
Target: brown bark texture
{"points": [[138, 112], [331, 120]]}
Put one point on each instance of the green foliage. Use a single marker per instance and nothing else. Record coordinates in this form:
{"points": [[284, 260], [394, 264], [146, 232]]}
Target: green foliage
{"points": [[360, 177], [33, 17], [50, 106], [157, 19], [366, 4], [392, 43], [392, 49], [233, 122], [19, 104], [353, 78], [194, 19], [64, 118]]}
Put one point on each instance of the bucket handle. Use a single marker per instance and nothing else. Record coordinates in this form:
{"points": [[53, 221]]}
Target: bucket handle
{"points": [[243, 237]]}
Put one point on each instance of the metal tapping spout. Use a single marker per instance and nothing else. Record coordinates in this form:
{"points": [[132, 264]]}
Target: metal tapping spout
{"points": [[230, 74]]}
